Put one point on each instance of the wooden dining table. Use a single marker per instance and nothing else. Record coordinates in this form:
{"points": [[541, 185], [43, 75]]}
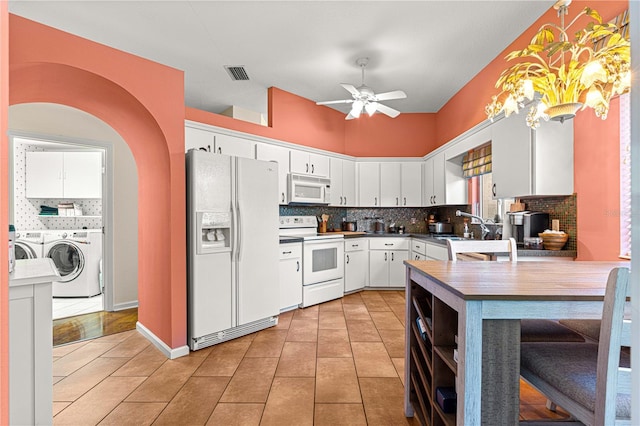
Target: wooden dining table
{"points": [[490, 299]]}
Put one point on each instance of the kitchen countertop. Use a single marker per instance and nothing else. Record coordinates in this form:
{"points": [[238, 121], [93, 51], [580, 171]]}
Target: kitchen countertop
{"points": [[285, 240], [430, 238], [33, 271]]}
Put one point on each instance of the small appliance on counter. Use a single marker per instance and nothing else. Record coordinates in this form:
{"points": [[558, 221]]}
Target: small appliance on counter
{"points": [[440, 228], [349, 225], [527, 224]]}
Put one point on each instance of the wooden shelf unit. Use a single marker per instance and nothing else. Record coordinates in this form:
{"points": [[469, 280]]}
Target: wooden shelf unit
{"points": [[431, 360]]}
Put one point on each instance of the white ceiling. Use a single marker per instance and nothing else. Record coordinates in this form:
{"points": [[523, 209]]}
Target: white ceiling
{"points": [[429, 49]]}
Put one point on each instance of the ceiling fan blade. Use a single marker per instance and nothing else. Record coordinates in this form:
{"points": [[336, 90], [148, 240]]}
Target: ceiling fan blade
{"points": [[342, 101], [396, 94], [349, 117], [350, 88], [388, 111]]}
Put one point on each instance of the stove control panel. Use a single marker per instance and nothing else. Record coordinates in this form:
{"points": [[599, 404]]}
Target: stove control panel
{"points": [[298, 222]]}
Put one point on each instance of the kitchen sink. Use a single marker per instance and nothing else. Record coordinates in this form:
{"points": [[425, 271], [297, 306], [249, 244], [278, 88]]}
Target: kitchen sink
{"points": [[450, 238]]}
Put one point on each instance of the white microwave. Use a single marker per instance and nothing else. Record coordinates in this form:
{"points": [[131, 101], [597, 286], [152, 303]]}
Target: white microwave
{"points": [[305, 189]]}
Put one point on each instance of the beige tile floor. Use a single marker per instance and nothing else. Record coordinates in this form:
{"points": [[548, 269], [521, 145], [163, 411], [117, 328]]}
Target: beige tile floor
{"points": [[338, 363]]}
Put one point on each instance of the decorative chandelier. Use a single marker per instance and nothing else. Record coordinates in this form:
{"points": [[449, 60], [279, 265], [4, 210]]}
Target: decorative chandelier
{"points": [[565, 76]]}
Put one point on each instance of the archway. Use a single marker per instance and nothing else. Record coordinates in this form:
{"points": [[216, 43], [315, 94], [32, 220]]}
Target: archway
{"points": [[161, 241]]}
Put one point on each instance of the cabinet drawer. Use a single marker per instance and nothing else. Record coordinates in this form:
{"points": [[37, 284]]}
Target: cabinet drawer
{"points": [[437, 252], [389, 244], [355, 244], [419, 247], [290, 251]]}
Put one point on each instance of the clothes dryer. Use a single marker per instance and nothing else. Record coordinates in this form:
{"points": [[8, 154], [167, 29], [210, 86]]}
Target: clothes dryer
{"points": [[28, 244], [76, 255]]}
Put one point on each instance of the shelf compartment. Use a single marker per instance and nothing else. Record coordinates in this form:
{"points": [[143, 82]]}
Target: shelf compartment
{"points": [[446, 326], [446, 354], [446, 419], [423, 410], [426, 353], [421, 314], [424, 378]]}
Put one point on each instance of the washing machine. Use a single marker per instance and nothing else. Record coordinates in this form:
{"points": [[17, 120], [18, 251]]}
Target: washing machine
{"points": [[77, 256], [28, 244]]}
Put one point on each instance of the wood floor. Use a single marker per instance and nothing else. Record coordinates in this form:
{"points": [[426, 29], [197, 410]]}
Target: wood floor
{"points": [[93, 325], [340, 362]]}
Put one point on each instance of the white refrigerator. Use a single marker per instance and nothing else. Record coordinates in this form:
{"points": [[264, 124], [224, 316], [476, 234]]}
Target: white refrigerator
{"points": [[232, 247]]}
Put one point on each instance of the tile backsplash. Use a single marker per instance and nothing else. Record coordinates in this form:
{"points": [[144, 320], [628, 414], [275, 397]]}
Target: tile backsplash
{"points": [[26, 210], [414, 218]]}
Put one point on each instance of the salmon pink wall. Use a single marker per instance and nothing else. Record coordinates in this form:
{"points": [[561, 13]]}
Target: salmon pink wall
{"points": [[298, 120], [144, 102], [291, 119], [407, 135], [4, 209], [597, 184]]}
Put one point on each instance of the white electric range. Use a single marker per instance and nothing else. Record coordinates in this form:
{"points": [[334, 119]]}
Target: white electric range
{"points": [[322, 259]]}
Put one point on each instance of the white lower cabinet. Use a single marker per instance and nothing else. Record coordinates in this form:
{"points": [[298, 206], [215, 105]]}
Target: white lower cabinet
{"points": [[436, 251], [418, 250], [290, 276], [356, 264], [386, 257]]}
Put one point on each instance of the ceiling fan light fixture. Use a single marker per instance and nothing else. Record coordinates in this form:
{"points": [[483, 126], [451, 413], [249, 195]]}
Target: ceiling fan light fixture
{"points": [[371, 108], [356, 109]]}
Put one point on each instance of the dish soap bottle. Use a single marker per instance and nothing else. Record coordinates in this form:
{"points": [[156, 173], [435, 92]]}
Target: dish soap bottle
{"points": [[466, 233]]}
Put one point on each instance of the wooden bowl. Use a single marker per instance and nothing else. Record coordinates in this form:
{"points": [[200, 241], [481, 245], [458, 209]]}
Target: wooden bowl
{"points": [[552, 241]]}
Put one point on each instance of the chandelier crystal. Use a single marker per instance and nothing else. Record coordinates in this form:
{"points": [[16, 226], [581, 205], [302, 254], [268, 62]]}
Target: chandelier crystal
{"points": [[562, 76]]}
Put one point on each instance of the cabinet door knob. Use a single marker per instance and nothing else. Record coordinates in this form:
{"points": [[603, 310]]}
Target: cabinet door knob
{"points": [[307, 167], [312, 169], [341, 200], [345, 201], [283, 198], [388, 244], [347, 258], [354, 245], [397, 201], [405, 201], [493, 189], [375, 201], [297, 266], [392, 256], [385, 257], [434, 199], [286, 252], [219, 150]]}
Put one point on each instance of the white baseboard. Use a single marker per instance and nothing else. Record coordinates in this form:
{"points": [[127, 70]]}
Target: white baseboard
{"points": [[126, 305], [166, 350]]}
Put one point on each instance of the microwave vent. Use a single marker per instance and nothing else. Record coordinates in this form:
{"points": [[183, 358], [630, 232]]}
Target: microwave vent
{"points": [[237, 72]]}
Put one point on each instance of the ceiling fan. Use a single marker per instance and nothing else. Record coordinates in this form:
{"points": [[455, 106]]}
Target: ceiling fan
{"points": [[365, 98]]}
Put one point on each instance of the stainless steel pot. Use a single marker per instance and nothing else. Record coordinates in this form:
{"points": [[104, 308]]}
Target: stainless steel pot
{"points": [[440, 228]]}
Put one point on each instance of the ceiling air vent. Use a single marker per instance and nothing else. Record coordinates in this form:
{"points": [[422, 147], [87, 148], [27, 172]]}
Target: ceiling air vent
{"points": [[237, 72]]}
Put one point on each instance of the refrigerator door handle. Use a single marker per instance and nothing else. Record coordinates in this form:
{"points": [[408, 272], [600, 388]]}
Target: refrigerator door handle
{"points": [[239, 232]]}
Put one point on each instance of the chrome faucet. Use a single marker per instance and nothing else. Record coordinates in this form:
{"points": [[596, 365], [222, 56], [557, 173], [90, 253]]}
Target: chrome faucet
{"points": [[483, 227]]}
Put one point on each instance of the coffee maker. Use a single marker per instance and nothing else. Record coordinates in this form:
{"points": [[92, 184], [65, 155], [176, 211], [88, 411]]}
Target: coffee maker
{"points": [[527, 224]]}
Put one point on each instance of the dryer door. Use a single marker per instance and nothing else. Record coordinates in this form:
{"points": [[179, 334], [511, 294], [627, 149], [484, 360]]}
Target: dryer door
{"points": [[68, 259], [23, 251]]}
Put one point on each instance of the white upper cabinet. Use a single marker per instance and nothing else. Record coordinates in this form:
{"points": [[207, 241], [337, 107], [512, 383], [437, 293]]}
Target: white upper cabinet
{"points": [[368, 184], [218, 143], [64, 174], [232, 145], [302, 162], [343, 182], [401, 184], [198, 139], [411, 184], [280, 155], [434, 180], [526, 162], [390, 184]]}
